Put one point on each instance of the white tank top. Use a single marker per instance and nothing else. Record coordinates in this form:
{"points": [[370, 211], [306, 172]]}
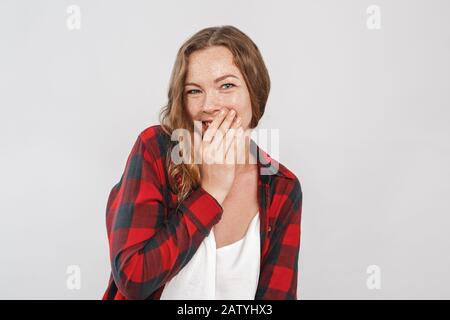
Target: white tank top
{"points": [[227, 273]]}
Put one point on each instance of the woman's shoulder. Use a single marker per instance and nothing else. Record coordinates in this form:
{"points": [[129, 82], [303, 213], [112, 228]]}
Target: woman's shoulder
{"points": [[155, 139], [154, 131]]}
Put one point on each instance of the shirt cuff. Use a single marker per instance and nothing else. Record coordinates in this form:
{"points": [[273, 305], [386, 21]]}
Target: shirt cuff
{"points": [[203, 209]]}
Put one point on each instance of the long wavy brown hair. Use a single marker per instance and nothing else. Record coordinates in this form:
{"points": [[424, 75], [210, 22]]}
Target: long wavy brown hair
{"points": [[185, 177]]}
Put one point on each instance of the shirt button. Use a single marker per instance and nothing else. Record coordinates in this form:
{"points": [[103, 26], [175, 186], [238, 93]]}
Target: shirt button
{"points": [[269, 228]]}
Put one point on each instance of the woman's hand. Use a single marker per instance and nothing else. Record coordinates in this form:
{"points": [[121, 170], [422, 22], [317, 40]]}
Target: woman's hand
{"points": [[218, 163]]}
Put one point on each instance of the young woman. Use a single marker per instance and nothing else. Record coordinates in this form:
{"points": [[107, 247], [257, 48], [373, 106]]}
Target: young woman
{"points": [[208, 229]]}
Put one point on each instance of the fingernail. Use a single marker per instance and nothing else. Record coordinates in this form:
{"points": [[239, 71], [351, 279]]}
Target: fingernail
{"points": [[232, 112]]}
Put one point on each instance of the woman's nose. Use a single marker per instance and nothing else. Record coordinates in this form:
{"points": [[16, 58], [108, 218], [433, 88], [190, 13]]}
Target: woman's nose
{"points": [[211, 104]]}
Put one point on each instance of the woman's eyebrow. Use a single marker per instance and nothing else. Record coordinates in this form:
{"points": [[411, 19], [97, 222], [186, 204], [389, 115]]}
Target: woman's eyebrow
{"points": [[215, 81], [224, 77]]}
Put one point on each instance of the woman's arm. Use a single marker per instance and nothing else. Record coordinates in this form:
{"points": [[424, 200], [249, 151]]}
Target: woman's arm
{"points": [[145, 251], [279, 271]]}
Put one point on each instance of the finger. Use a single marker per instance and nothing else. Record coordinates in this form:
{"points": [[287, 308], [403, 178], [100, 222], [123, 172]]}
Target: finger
{"points": [[211, 131], [197, 142], [237, 147], [240, 146], [221, 132], [232, 143], [232, 133]]}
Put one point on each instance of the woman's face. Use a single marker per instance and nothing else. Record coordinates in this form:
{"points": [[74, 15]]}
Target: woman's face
{"points": [[213, 82]]}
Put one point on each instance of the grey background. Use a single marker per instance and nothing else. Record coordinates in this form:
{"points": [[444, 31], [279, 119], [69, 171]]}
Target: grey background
{"points": [[363, 117]]}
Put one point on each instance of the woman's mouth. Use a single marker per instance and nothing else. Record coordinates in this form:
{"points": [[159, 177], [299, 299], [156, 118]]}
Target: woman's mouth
{"points": [[205, 125]]}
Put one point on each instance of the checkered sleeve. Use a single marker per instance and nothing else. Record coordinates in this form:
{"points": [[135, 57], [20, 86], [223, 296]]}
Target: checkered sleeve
{"points": [[147, 249], [279, 270]]}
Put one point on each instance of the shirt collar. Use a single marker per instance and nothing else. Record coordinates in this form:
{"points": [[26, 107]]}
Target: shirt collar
{"points": [[267, 166]]}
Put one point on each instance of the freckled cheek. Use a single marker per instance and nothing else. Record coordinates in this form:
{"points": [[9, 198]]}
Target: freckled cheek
{"points": [[193, 105], [239, 103], [193, 109], [243, 107]]}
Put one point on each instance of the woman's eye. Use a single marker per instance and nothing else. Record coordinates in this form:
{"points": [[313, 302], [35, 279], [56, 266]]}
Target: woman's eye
{"points": [[193, 91], [228, 84]]}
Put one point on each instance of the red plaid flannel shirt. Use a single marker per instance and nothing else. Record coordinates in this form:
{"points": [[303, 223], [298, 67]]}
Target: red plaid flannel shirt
{"points": [[151, 238]]}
